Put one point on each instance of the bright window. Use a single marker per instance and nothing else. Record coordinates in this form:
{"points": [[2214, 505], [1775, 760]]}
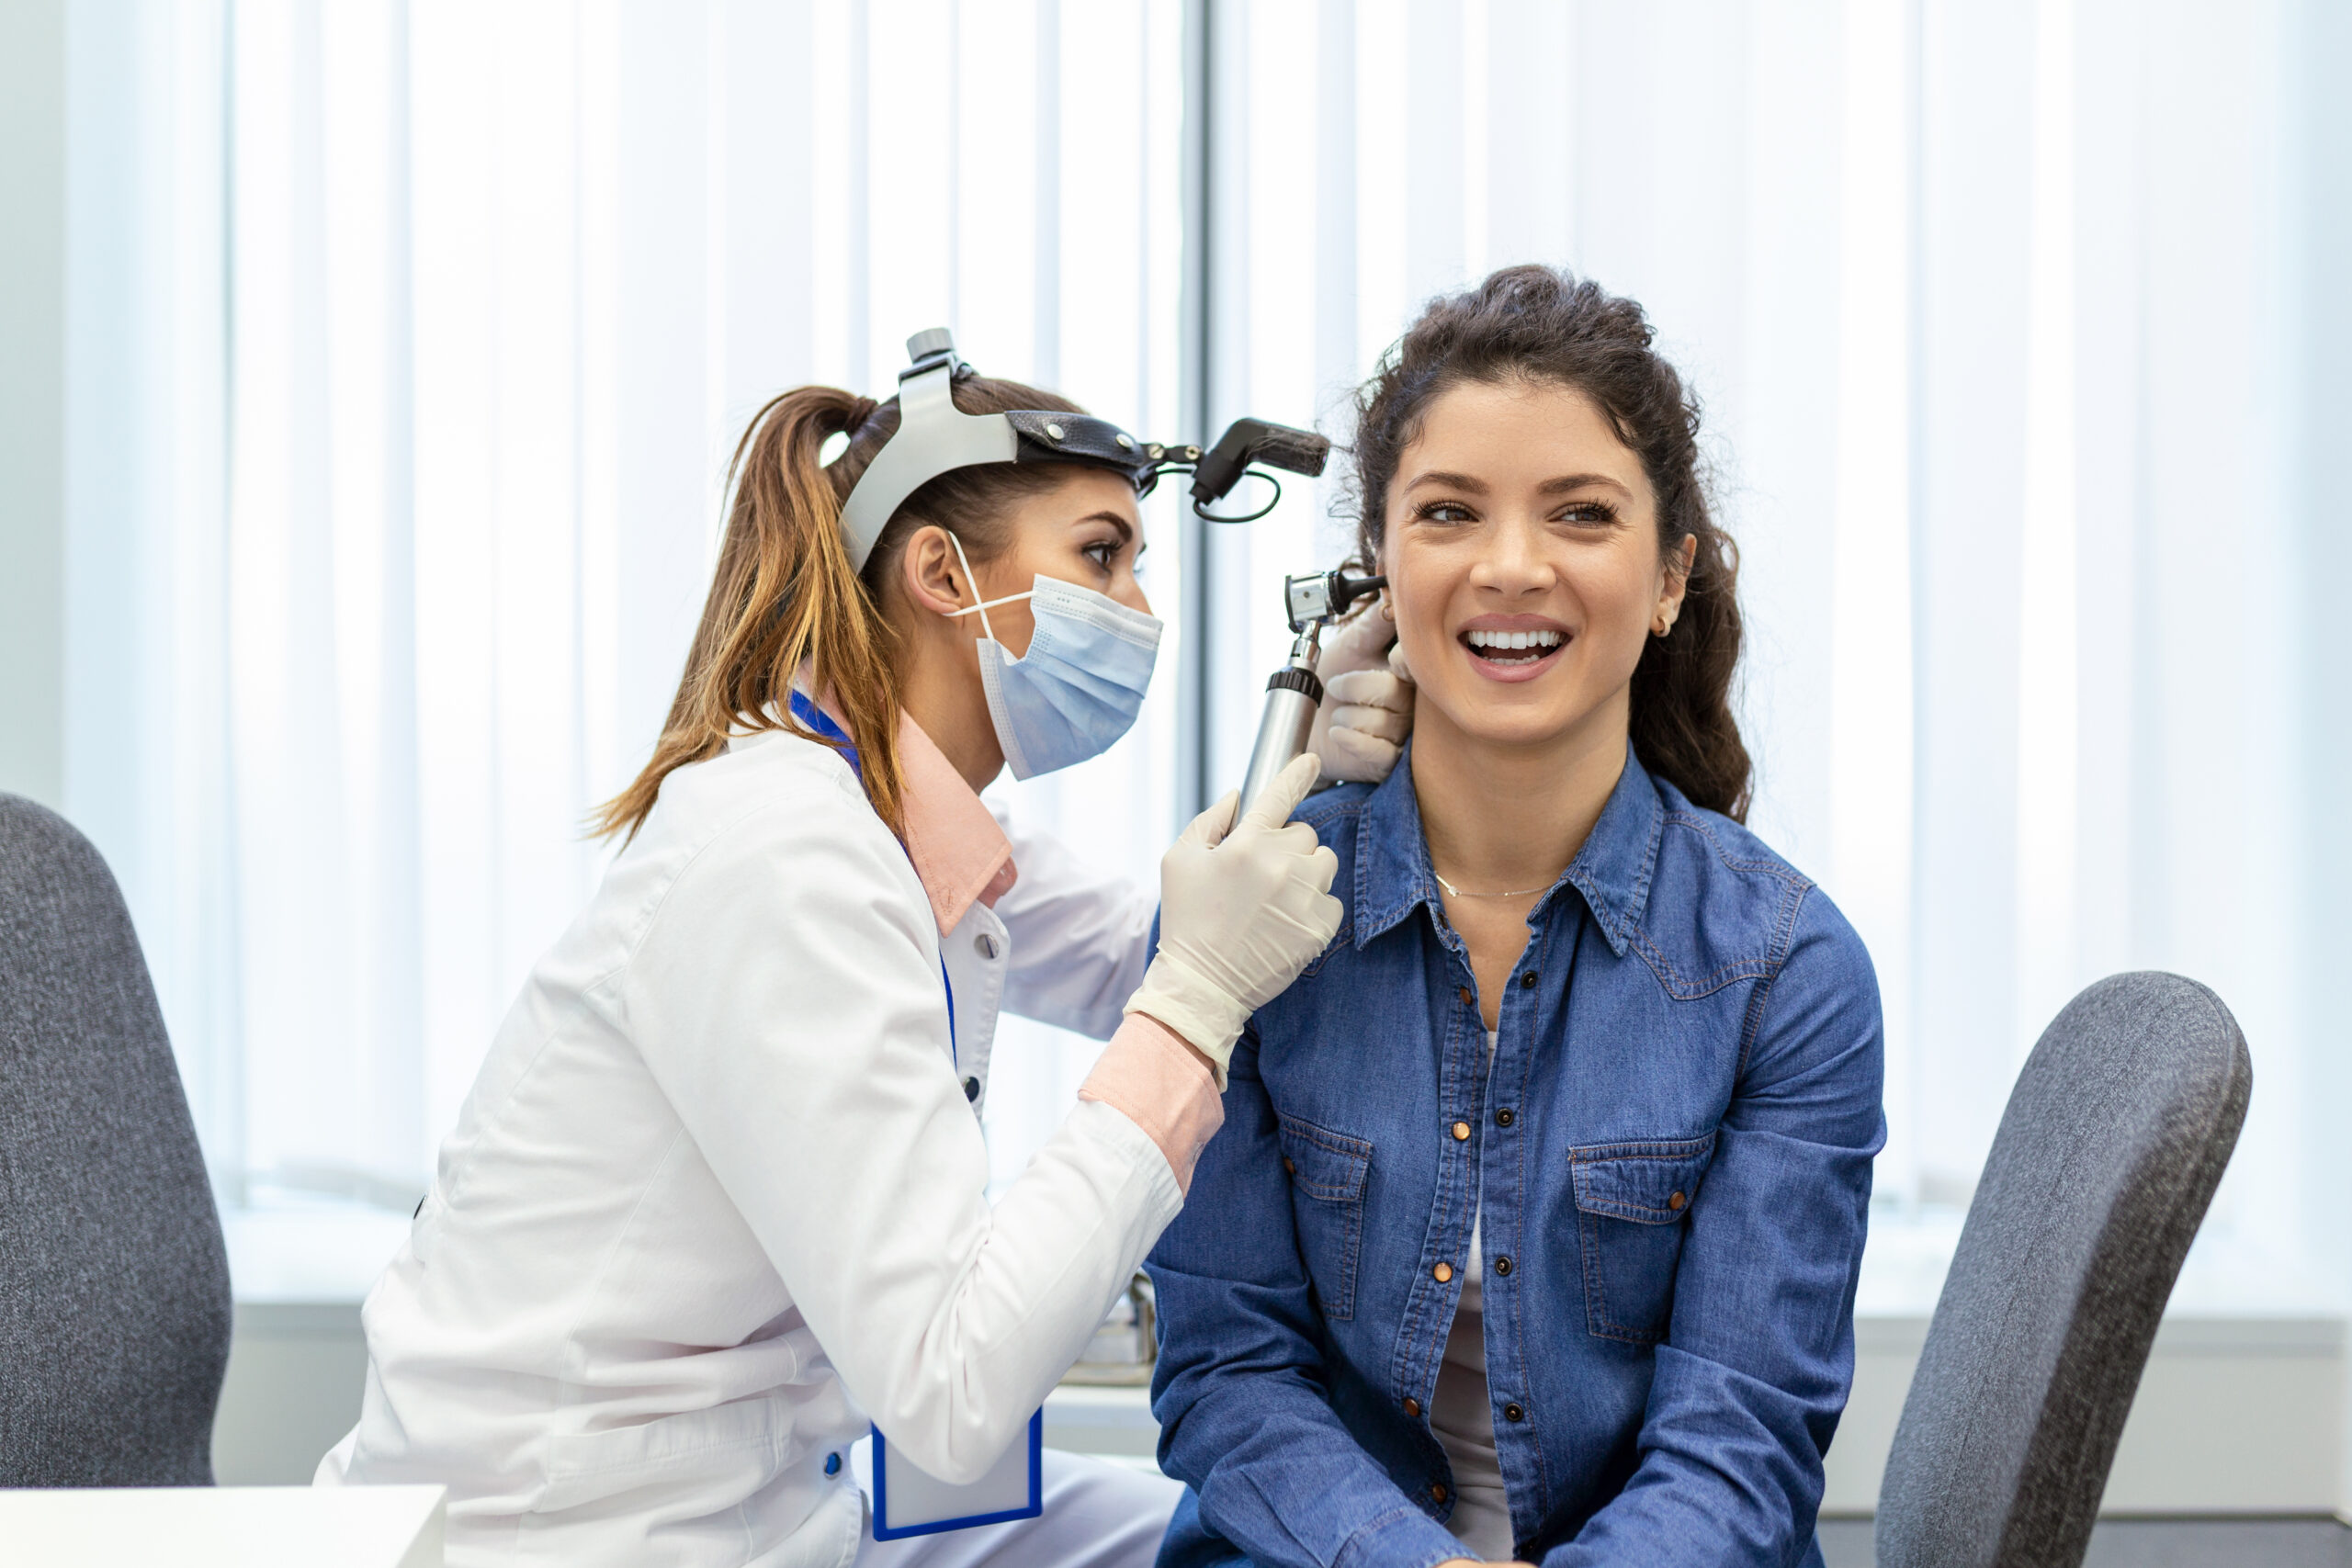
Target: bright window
{"points": [[410, 342]]}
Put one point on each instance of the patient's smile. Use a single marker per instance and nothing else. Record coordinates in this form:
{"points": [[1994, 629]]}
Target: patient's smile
{"points": [[1514, 648]]}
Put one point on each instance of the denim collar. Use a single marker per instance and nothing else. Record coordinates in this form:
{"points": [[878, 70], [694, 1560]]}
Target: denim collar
{"points": [[1611, 870]]}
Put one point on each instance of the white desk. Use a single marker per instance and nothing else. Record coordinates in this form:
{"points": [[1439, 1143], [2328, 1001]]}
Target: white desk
{"points": [[1105, 1422], [226, 1527]]}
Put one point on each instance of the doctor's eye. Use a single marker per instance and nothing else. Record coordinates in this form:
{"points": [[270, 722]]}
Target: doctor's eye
{"points": [[1104, 552]]}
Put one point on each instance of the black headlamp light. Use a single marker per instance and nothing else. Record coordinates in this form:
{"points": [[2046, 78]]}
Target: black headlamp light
{"points": [[935, 437]]}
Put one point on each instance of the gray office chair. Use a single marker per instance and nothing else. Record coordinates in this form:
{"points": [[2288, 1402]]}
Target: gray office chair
{"points": [[2107, 1157], [114, 1284]]}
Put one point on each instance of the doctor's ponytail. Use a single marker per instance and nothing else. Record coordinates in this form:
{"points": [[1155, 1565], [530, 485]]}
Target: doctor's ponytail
{"points": [[784, 596]]}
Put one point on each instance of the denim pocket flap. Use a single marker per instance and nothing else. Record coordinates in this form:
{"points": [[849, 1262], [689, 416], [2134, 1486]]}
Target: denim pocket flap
{"points": [[1651, 1183], [1325, 1165]]}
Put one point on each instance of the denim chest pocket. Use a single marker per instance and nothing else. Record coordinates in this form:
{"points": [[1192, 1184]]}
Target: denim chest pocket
{"points": [[1326, 1173], [1632, 1201]]}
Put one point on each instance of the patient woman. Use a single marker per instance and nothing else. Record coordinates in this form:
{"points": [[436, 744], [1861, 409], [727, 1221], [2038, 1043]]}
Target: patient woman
{"points": [[1534, 1226]]}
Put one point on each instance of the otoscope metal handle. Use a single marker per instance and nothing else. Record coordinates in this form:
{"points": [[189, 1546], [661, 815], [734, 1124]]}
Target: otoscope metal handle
{"points": [[1292, 696], [1297, 690]]}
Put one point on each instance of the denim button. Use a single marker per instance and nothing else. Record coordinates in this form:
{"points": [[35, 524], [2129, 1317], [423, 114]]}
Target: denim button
{"points": [[1514, 1413], [1502, 1265], [1437, 1491], [1413, 1406], [1442, 1273], [1461, 1131], [1527, 981], [832, 1464], [1504, 1117], [1464, 992]]}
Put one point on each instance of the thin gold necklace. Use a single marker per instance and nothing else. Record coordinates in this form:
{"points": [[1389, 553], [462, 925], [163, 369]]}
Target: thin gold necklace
{"points": [[1455, 892]]}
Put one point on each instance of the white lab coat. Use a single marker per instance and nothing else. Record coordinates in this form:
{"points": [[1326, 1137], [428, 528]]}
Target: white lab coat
{"points": [[719, 1172]]}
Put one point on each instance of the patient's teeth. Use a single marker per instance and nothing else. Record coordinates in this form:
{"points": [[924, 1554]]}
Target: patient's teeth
{"points": [[1511, 642]]}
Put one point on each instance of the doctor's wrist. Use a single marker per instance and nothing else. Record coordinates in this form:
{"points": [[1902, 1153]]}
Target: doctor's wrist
{"points": [[1190, 1007], [1164, 1085], [1208, 1063]]}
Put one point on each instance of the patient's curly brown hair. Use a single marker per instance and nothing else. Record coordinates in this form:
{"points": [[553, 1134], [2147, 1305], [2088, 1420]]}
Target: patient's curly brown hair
{"points": [[1533, 323]]}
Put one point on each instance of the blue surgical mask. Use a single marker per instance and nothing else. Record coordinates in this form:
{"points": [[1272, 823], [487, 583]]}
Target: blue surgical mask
{"points": [[1081, 684]]}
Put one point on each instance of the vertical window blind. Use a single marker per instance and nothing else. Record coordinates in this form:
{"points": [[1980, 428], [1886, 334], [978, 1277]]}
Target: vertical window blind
{"points": [[408, 343]]}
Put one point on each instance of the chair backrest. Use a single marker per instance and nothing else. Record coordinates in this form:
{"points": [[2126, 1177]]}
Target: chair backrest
{"points": [[114, 1283], [2106, 1159]]}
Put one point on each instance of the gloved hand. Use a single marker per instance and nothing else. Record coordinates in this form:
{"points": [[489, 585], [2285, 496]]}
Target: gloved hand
{"points": [[1241, 912], [1367, 709]]}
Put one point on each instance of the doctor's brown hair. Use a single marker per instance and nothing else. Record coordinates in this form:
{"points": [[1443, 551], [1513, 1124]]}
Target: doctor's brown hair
{"points": [[1533, 323], [784, 594]]}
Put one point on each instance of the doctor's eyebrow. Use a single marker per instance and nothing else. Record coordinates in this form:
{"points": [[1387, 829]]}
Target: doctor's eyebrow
{"points": [[1126, 529]]}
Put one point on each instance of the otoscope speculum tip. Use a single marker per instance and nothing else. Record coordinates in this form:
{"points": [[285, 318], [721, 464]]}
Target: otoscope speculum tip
{"points": [[1324, 596]]}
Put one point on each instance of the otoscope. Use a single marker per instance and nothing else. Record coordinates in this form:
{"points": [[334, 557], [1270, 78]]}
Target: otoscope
{"points": [[1295, 691]]}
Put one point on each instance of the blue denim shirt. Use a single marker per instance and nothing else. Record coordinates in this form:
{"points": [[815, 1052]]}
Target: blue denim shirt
{"points": [[1673, 1150]]}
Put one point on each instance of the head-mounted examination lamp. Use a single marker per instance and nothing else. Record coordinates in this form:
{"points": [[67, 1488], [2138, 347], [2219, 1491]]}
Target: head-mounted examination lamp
{"points": [[935, 437]]}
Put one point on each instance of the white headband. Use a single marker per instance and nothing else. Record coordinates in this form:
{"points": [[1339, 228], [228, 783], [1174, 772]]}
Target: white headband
{"points": [[934, 437]]}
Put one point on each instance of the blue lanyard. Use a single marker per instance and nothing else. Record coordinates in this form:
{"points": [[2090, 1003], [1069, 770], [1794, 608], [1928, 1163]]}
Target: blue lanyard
{"points": [[820, 721]]}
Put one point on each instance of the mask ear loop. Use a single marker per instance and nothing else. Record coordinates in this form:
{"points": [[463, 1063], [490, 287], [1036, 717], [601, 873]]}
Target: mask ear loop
{"points": [[977, 607]]}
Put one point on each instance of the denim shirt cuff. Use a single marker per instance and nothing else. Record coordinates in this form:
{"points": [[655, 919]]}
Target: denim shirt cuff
{"points": [[1402, 1537]]}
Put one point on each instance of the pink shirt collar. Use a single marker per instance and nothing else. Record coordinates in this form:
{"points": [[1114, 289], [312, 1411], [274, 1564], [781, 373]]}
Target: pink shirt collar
{"points": [[960, 855], [959, 852]]}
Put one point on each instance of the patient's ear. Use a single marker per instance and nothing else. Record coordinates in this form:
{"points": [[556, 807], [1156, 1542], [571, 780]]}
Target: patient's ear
{"points": [[1677, 578]]}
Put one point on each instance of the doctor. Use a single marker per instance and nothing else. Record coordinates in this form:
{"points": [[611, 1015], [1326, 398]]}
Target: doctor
{"points": [[716, 1197]]}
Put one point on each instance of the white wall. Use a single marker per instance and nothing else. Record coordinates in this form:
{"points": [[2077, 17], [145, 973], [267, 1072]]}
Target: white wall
{"points": [[2240, 1411], [2235, 1415], [32, 400]]}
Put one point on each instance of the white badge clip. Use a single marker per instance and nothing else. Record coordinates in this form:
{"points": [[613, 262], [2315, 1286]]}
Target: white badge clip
{"points": [[908, 1501]]}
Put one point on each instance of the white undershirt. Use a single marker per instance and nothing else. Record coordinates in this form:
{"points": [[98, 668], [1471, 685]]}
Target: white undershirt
{"points": [[1461, 1415]]}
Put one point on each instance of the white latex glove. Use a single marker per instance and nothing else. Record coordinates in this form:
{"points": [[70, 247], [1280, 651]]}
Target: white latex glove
{"points": [[1367, 709], [1240, 914]]}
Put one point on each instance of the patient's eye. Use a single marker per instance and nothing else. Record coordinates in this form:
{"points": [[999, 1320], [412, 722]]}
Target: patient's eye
{"points": [[1443, 512], [1593, 513]]}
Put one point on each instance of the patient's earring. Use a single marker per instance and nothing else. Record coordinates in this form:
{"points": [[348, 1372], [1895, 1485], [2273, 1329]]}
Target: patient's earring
{"points": [[1662, 627]]}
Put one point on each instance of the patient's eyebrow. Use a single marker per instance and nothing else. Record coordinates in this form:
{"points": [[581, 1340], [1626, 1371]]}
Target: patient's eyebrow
{"points": [[1445, 480], [1566, 482]]}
